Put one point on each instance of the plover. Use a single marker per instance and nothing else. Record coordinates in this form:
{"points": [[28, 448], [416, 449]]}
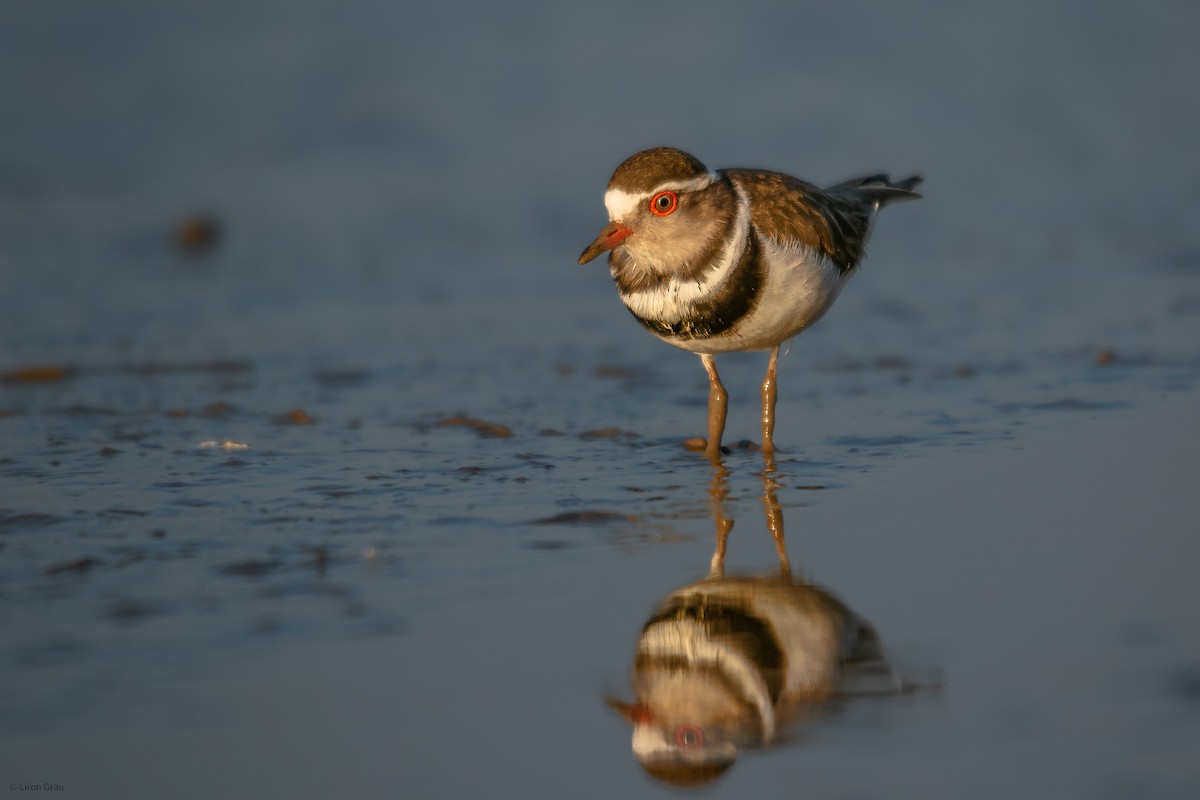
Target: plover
{"points": [[732, 663], [733, 259]]}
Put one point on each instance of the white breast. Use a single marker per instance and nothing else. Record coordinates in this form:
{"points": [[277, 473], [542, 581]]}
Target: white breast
{"points": [[688, 642], [800, 286]]}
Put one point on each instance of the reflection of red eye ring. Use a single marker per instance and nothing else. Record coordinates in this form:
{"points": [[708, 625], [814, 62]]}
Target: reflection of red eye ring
{"points": [[689, 737], [663, 203]]}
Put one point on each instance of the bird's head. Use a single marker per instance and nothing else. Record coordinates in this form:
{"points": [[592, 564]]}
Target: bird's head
{"points": [[665, 209], [689, 724]]}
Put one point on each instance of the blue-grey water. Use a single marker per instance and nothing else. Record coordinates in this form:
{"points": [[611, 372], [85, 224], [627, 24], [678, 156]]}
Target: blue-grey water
{"points": [[989, 446]]}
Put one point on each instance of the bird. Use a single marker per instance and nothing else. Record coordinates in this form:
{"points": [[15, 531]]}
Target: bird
{"points": [[731, 260], [732, 663]]}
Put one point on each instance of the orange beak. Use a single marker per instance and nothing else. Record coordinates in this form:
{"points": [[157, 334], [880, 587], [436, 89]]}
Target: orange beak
{"points": [[634, 713], [609, 238]]}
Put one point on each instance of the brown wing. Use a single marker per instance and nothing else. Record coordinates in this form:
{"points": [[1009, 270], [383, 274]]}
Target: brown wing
{"points": [[834, 221], [789, 210]]}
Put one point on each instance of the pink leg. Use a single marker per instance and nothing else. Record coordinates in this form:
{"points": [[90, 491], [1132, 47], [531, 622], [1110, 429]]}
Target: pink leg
{"points": [[768, 408], [718, 405]]}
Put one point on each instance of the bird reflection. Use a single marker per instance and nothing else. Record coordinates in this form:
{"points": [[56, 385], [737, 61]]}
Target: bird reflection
{"points": [[729, 663]]}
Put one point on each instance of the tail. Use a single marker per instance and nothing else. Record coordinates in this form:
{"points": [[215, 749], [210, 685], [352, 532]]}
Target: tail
{"points": [[878, 190]]}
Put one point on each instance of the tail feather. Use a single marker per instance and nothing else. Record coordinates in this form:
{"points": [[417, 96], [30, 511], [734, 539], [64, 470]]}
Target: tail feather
{"points": [[878, 189]]}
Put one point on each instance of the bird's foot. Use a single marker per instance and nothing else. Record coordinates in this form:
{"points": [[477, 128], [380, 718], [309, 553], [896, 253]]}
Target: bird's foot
{"points": [[698, 444]]}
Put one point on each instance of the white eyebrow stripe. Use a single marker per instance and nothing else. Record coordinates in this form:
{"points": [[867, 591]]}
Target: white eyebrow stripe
{"points": [[621, 204], [693, 185]]}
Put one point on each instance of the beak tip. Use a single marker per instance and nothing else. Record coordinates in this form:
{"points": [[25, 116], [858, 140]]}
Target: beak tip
{"points": [[593, 250], [609, 238]]}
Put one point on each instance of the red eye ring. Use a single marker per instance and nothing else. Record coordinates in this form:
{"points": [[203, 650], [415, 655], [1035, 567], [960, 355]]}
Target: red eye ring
{"points": [[663, 203], [689, 737]]}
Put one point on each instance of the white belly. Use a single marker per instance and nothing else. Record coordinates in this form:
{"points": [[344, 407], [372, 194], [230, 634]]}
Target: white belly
{"points": [[800, 287]]}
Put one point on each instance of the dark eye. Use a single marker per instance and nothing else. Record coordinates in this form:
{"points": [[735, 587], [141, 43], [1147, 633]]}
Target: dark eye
{"points": [[663, 203], [689, 737]]}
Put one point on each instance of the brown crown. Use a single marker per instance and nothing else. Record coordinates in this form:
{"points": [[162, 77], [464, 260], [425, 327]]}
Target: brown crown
{"points": [[687, 775], [642, 171]]}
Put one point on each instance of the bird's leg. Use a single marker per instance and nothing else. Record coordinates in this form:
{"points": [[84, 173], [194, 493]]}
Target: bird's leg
{"points": [[768, 407], [718, 404]]}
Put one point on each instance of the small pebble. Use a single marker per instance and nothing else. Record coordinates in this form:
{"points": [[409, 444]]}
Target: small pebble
{"points": [[297, 416], [488, 430], [197, 233], [36, 373]]}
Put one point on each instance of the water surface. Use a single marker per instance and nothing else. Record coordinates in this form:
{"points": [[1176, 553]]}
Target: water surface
{"points": [[988, 445]]}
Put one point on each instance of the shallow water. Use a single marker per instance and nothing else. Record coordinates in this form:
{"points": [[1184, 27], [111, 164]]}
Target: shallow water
{"points": [[988, 445]]}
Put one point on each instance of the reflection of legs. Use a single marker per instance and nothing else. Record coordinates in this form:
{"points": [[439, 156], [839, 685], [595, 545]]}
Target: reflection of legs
{"points": [[718, 489], [774, 514], [718, 492], [717, 568], [718, 404], [768, 408]]}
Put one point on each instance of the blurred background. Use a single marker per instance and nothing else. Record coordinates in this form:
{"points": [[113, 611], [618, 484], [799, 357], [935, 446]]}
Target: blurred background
{"points": [[322, 229], [363, 159]]}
